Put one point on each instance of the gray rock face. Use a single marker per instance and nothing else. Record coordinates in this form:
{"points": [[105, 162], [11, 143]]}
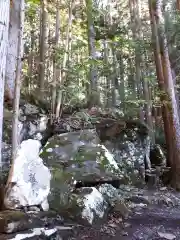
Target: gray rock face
{"points": [[110, 193], [130, 151], [30, 181], [157, 156], [114, 198], [33, 127], [76, 156], [89, 206], [32, 123], [7, 130], [6, 152], [30, 109], [6, 157], [94, 206]]}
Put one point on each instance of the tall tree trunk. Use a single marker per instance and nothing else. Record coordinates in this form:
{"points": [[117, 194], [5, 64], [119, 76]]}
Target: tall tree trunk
{"points": [[171, 91], [31, 63], [173, 59], [121, 76], [56, 69], [65, 59], [17, 88], [160, 77], [12, 48], [15, 142], [135, 21], [4, 28], [178, 5], [115, 75], [147, 97], [173, 117], [93, 76], [43, 45], [106, 73]]}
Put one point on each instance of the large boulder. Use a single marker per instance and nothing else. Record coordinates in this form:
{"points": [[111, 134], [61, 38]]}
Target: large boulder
{"points": [[76, 157], [130, 144], [29, 182], [87, 206]]}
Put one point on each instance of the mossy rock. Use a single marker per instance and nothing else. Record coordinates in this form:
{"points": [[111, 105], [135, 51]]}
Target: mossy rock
{"points": [[76, 156]]}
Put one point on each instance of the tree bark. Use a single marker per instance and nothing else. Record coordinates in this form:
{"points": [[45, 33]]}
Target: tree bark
{"points": [[135, 21], [4, 27], [65, 59], [56, 68], [11, 63], [171, 122], [160, 77], [43, 45], [15, 142], [93, 75], [15, 137], [178, 5]]}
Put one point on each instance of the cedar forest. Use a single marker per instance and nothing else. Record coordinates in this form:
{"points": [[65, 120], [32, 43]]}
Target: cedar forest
{"points": [[119, 56]]}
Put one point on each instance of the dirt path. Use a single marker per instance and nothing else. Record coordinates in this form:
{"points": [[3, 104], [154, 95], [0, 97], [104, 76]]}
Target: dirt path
{"points": [[151, 223]]}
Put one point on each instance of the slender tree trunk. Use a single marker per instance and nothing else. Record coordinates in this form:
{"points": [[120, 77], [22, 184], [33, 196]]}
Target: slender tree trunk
{"points": [[15, 142], [106, 71], [15, 134], [178, 5], [131, 70], [65, 59], [4, 28], [31, 63], [115, 75], [12, 48], [121, 83], [93, 76], [135, 21], [43, 45], [56, 69], [175, 73], [176, 91], [148, 104]]}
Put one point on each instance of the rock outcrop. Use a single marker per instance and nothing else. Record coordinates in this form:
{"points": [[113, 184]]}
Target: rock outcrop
{"points": [[76, 157], [29, 183], [32, 123], [81, 168], [129, 143]]}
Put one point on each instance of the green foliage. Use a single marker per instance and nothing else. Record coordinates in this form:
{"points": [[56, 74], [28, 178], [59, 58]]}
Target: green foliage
{"points": [[32, 2], [117, 72]]}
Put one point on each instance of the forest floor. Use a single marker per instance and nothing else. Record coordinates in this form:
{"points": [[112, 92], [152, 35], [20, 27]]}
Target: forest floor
{"points": [[160, 219], [151, 222]]}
